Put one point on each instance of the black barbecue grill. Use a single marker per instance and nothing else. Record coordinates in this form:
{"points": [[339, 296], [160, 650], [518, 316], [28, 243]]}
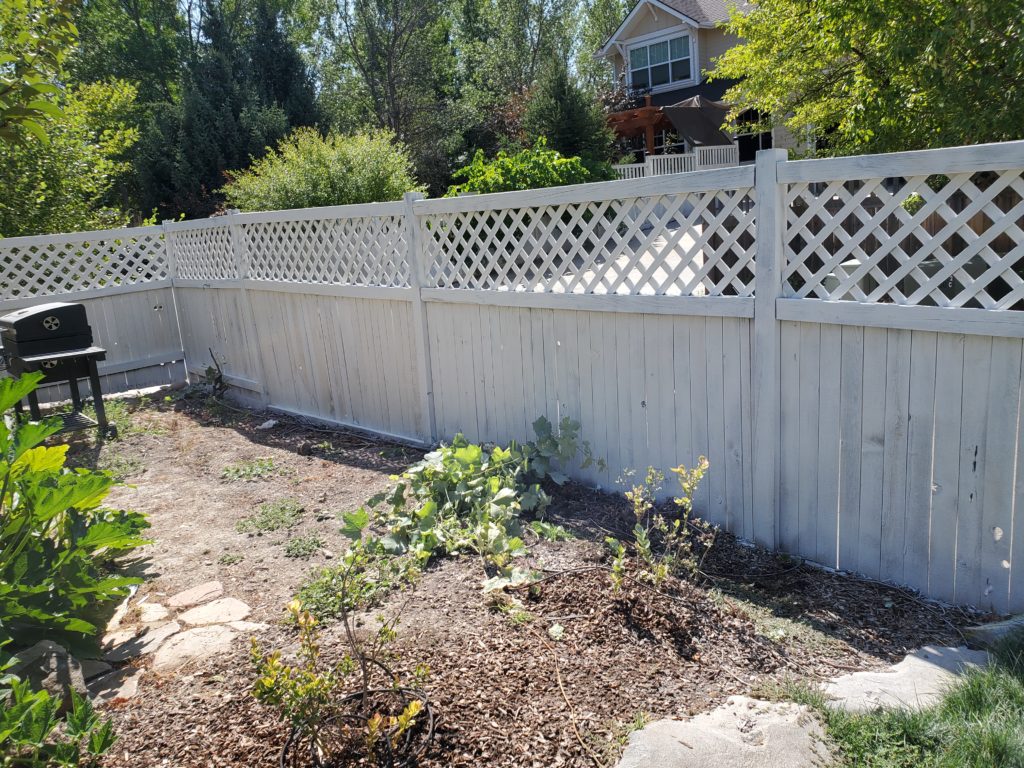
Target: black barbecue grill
{"points": [[56, 340]]}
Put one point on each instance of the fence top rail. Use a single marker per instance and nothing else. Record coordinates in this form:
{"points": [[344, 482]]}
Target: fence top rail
{"points": [[668, 184], [124, 233], [949, 160], [359, 211]]}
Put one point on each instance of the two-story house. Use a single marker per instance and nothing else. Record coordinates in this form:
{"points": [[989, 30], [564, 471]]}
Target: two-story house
{"points": [[661, 53]]}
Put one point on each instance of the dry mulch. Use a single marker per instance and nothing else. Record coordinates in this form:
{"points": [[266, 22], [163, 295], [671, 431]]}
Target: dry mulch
{"points": [[508, 691]]}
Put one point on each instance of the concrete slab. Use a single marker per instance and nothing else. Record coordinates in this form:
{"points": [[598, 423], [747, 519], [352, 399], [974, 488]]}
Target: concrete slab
{"points": [[742, 733], [193, 645], [916, 682]]}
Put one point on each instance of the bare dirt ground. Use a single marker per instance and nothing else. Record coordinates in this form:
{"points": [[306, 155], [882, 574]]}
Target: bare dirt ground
{"points": [[507, 692]]}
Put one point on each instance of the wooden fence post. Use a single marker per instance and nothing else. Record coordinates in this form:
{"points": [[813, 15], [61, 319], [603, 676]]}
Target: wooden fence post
{"points": [[765, 374], [241, 254], [417, 280], [172, 275]]}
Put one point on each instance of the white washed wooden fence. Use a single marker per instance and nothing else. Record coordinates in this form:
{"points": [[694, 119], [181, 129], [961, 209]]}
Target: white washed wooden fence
{"points": [[842, 338]]}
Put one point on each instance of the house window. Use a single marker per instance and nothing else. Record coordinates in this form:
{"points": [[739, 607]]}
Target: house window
{"points": [[661, 63]]}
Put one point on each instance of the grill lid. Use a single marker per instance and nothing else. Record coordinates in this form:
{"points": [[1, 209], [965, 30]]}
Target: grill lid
{"points": [[45, 321]]}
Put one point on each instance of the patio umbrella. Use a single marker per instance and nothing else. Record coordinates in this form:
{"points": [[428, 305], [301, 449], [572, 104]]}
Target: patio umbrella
{"points": [[699, 121]]}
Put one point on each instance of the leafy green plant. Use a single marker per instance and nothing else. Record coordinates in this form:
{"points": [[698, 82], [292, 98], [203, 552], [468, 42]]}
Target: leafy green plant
{"points": [[532, 168], [467, 498], [303, 547], [662, 545], [34, 735], [365, 574], [57, 543], [231, 558], [283, 514], [357, 707], [308, 169], [252, 469]]}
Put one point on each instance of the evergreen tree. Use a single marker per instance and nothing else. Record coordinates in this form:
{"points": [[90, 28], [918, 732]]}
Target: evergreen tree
{"points": [[569, 118]]}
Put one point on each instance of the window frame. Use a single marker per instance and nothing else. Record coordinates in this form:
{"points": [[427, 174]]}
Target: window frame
{"points": [[653, 38]]}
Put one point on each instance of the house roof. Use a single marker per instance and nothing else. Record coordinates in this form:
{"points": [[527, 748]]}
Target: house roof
{"points": [[698, 13], [708, 12]]}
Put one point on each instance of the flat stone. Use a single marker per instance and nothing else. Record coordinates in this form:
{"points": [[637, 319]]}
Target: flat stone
{"points": [[119, 614], [51, 668], [94, 668], [193, 645], [203, 593], [128, 644], [152, 613], [117, 686], [218, 612], [248, 627], [987, 635], [742, 733], [915, 683]]}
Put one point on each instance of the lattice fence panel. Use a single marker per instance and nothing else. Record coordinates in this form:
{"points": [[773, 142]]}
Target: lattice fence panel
{"points": [[204, 254], [369, 250], [48, 267], [693, 244], [948, 241]]}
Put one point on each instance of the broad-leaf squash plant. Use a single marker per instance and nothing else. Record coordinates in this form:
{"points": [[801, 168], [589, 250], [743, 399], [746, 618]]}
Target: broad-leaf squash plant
{"points": [[57, 541]]}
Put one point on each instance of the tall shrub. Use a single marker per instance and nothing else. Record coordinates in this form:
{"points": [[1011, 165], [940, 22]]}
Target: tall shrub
{"points": [[308, 170]]}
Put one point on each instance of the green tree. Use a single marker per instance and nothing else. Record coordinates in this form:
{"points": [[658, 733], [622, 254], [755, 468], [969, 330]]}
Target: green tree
{"points": [[882, 75], [66, 184], [570, 119], [141, 41], [597, 21], [35, 38], [533, 168], [308, 170]]}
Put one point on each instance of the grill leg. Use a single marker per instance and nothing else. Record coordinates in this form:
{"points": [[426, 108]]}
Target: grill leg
{"points": [[76, 396], [33, 406], [97, 397]]}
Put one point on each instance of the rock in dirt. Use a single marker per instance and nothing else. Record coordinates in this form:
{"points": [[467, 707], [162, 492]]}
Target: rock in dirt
{"points": [[916, 682], [153, 613], [218, 612], [203, 593], [117, 686], [193, 644], [742, 733], [94, 668], [129, 644], [51, 668], [987, 635], [248, 627]]}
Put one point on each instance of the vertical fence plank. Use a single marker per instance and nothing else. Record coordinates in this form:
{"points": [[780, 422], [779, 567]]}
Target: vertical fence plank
{"points": [[765, 376], [851, 402], [920, 459], [417, 279]]}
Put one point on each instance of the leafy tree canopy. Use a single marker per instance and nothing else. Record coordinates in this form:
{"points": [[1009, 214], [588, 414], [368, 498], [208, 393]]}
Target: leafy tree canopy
{"points": [[532, 168], [65, 184], [35, 38], [882, 75], [308, 170]]}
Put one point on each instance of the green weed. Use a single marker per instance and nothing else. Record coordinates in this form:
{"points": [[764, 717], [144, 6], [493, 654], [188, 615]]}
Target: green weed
{"points": [[303, 547], [231, 558], [283, 514], [253, 469]]}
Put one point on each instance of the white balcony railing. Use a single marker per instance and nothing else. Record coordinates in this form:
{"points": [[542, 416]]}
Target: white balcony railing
{"points": [[703, 158]]}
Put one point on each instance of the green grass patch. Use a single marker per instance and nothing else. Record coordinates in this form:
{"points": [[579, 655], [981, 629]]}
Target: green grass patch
{"points": [[120, 466], [252, 469], [283, 514], [978, 724], [303, 547], [231, 558]]}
